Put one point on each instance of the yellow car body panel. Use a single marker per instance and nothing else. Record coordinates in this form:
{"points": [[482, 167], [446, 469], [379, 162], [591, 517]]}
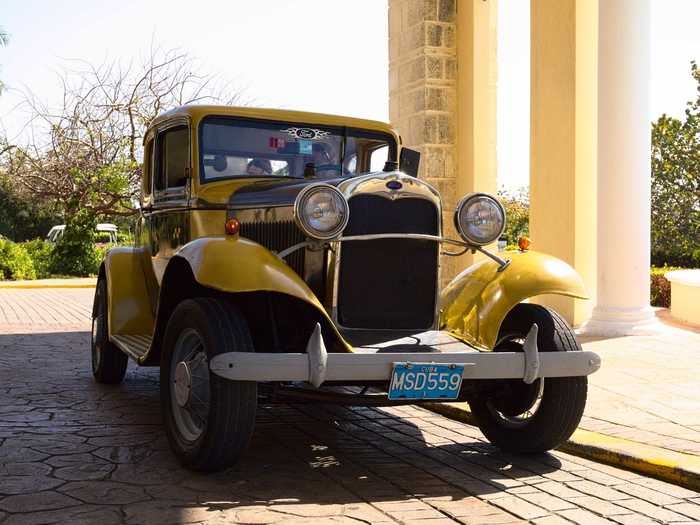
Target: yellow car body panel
{"points": [[235, 264], [475, 303], [129, 305]]}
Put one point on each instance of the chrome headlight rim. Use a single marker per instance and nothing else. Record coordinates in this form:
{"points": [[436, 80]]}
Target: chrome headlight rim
{"points": [[463, 202], [301, 219]]}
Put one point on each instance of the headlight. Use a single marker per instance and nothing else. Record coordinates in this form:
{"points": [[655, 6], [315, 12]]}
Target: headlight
{"points": [[321, 211], [480, 219]]}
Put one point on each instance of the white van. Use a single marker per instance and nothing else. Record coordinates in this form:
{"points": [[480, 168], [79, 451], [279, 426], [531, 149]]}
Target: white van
{"points": [[106, 233]]}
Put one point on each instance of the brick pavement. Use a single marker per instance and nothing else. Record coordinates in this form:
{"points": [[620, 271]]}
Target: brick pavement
{"points": [[72, 451]]}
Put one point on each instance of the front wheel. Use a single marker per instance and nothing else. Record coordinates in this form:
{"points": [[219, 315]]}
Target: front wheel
{"points": [[208, 419], [534, 418]]}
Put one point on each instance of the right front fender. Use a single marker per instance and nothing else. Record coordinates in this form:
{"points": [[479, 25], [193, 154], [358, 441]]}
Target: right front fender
{"points": [[476, 302], [236, 264]]}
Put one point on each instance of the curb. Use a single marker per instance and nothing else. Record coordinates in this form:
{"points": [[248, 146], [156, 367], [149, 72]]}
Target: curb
{"points": [[39, 286], [660, 463]]}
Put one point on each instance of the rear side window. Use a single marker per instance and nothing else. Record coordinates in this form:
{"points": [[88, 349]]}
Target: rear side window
{"points": [[147, 167], [173, 158]]}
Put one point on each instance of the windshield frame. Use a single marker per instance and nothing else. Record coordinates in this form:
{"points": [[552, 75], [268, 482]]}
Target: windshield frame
{"points": [[344, 132]]}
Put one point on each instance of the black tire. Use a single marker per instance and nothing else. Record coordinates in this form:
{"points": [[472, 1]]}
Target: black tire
{"points": [[227, 426], [108, 362], [562, 400]]}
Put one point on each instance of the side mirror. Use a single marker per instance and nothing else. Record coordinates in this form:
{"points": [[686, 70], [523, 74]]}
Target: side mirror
{"points": [[409, 161]]}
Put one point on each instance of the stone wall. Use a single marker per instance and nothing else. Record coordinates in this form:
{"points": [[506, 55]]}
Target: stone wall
{"points": [[442, 96], [423, 91]]}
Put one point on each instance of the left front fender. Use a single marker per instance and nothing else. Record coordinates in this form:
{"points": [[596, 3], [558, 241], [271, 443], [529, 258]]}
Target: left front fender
{"points": [[476, 302]]}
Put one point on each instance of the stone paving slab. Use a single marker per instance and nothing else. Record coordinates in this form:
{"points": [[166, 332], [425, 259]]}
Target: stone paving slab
{"points": [[648, 389], [73, 451]]}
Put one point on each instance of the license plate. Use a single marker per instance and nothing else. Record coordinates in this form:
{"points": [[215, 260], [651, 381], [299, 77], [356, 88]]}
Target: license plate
{"points": [[425, 381]]}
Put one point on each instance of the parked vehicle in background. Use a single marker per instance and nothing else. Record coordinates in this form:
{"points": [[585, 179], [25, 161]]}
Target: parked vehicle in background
{"points": [[106, 233], [275, 260]]}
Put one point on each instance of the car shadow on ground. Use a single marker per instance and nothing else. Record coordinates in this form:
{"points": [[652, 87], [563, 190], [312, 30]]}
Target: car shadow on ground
{"points": [[107, 444]]}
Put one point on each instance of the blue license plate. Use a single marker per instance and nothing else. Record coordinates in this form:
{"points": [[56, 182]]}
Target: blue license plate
{"points": [[425, 381]]}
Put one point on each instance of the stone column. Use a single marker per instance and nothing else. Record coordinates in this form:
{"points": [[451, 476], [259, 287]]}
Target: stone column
{"points": [[563, 87], [442, 96], [624, 171]]}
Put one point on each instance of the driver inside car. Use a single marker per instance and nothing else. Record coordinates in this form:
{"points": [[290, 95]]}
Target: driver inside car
{"points": [[324, 161], [258, 167]]}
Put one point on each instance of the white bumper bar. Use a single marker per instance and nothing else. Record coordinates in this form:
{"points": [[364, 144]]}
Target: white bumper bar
{"points": [[317, 366]]}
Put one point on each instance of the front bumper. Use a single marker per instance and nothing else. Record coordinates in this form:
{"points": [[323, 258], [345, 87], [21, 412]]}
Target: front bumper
{"points": [[317, 366]]}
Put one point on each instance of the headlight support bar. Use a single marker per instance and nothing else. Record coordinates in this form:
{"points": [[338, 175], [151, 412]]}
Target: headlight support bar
{"points": [[502, 263]]}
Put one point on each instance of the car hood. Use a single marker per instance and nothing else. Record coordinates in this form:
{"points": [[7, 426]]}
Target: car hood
{"points": [[267, 194]]}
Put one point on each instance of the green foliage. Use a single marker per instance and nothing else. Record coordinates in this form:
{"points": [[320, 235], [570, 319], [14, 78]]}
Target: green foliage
{"points": [[40, 252], [660, 286], [517, 205], [675, 186], [75, 253], [125, 238], [15, 262], [22, 217]]}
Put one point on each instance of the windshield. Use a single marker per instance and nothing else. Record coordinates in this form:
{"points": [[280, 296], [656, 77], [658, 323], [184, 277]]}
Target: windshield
{"points": [[238, 148]]}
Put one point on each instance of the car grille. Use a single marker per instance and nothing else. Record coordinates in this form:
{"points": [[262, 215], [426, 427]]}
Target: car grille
{"points": [[388, 283], [277, 236]]}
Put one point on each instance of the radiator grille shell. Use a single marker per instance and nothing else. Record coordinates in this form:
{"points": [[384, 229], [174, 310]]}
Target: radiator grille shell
{"points": [[389, 283]]}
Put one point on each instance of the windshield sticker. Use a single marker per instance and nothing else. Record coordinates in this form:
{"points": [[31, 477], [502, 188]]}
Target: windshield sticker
{"points": [[305, 147], [306, 133], [276, 143]]}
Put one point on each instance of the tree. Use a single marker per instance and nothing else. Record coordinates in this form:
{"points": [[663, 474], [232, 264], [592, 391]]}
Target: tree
{"points": [[85, 154], [675, 186], [517, 205]]}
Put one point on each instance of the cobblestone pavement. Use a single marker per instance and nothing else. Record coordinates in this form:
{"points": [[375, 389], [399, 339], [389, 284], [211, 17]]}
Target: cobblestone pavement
{"points": [[73, 451]]}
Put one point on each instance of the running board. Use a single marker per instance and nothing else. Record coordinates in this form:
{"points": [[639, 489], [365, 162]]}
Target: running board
{"points": [[135, 346]]}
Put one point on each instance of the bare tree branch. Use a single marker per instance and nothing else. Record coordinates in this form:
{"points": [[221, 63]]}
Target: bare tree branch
{"points": [[86, 152]]}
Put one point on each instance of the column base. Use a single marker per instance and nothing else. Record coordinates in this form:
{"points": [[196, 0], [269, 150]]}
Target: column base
{"points": [[616, 322]]}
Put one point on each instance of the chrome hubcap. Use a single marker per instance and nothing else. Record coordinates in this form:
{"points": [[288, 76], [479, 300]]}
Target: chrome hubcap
{"points": [[189, 385], [533, 395], [183, 384]]}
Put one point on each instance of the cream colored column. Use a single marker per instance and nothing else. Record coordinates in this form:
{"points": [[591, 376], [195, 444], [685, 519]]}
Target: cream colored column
{"points": [[477, 27], [563, 88], [624, 143], [442, 96], [477, 75]]}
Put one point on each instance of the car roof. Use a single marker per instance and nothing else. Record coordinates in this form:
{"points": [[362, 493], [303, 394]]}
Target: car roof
{"points": [[197, 112]]}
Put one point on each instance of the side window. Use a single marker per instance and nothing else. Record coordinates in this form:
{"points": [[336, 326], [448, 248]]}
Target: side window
{"points": [[147, 167], [173, 158]]}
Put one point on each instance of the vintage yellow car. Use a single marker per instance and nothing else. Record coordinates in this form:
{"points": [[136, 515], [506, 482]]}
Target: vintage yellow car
{"points": [[282, 254]]}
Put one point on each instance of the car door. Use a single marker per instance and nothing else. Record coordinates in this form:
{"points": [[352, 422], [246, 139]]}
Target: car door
{"points": [[168, 219]]}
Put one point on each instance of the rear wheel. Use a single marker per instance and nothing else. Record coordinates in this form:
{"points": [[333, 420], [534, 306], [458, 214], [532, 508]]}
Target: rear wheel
{"points": [[208, 419], [533, 418], [108, 362]]}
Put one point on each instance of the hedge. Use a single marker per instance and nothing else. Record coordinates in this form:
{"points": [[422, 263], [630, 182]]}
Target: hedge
{"points": [[660, 286], [15, 262]]}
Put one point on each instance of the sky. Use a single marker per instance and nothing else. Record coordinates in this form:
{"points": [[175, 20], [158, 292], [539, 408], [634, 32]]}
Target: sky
{"points": [[316, 55]]}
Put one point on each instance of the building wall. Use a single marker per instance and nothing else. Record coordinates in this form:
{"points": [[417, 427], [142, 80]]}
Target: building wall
{"points": [[446, 111]]}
